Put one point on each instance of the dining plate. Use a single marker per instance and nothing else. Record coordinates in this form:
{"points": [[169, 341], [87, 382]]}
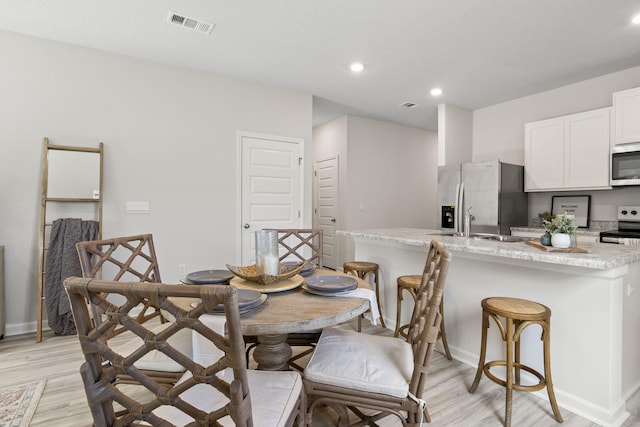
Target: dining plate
{"points": [[279, 286], [247, 301], [325, 294], [332, 283], [209, 277]]}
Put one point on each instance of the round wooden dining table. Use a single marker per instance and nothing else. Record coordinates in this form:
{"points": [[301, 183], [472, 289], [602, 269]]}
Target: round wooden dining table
{"points": [[296, 310]]}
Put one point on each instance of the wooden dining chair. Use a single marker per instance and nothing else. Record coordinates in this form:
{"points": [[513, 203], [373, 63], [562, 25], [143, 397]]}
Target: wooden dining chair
{"points": [[350, 371], [220, 391], [300, 244], [131, 258]]}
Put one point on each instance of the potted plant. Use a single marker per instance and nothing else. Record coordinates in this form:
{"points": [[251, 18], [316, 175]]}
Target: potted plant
{"points": [[561, 227], [543, 217]]}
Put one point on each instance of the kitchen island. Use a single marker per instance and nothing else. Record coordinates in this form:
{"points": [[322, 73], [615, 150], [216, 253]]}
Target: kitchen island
{"points": [[594, 298]]}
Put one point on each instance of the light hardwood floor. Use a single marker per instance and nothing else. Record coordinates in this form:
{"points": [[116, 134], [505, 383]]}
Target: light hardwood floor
{"points": [[63, 403]]}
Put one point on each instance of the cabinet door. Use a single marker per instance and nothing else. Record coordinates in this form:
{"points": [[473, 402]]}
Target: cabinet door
{"points": [[544, 155], [586, 149], [626, 109]]}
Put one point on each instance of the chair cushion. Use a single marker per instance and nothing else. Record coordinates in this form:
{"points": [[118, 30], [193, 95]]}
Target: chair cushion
{"points": [[157, 360], [355, 360], [274, 396]]}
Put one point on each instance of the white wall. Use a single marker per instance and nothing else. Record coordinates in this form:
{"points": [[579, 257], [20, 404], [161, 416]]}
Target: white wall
{"points": [[498, 132], [455, 135], [388, 175], [170, 138]]}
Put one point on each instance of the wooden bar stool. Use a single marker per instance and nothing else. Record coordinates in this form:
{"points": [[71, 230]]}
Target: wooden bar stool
{"points": [[518, 315], [362, 269], [411, 284]]}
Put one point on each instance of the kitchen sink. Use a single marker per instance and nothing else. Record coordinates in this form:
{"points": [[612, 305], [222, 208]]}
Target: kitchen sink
{"points": [[487, 236], [500, 237]]}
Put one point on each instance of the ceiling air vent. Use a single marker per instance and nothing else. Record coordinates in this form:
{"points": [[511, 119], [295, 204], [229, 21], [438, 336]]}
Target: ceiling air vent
{"points": [[190, 23], [408, 105]]}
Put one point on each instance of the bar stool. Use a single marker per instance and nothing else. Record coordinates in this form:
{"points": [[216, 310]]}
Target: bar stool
{"points": [[362, 269], [411, 284], [518, 314]]}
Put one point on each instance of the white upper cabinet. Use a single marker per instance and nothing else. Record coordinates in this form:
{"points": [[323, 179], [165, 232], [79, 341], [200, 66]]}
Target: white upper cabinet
{"points": [[544, 155], [568, 152], [626, 111]]}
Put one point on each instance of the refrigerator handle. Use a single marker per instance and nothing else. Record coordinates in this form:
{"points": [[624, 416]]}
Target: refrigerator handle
{"points": [[459, 207]]}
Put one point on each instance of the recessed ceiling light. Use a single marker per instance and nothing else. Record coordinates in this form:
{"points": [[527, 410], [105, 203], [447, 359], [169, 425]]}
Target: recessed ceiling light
{"points": [[436, 91], [356, 67], [636, 19]]}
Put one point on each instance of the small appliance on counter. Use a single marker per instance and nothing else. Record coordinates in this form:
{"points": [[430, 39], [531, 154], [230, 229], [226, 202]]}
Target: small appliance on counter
{"points": [[628, 232]]}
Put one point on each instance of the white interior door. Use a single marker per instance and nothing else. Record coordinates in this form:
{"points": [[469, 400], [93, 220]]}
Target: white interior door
{"points": [[326, 208], [271, 187]]}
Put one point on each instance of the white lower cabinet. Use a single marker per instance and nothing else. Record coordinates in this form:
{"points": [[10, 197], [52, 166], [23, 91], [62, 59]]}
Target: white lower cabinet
{"points": [[568, 152]]}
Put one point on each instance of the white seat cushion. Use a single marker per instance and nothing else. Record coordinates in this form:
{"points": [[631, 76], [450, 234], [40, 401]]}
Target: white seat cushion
{"points": [[157, 360], [274, 396], [360, 361]]}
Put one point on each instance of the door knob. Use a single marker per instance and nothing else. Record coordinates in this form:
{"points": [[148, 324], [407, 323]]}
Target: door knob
{"points": [[333, 220], [246, 226]]}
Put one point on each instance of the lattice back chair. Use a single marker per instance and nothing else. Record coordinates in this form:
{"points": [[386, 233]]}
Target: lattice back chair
{"points": [[131, 258], [385, 374], [300, 244], [303, 245], [215, 389]]}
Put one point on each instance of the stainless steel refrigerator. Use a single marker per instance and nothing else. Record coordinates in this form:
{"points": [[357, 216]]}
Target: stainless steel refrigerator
{"points": [[493, 191]]}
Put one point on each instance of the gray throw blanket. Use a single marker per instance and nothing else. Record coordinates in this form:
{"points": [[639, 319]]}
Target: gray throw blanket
{"points": [[63, 262]]}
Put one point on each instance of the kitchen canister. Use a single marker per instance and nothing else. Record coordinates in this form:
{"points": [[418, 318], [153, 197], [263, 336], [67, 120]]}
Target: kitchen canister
{"points": [[267, 252]]}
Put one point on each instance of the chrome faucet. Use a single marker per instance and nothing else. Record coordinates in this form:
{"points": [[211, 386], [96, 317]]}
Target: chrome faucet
{"points": [[468, 217]]}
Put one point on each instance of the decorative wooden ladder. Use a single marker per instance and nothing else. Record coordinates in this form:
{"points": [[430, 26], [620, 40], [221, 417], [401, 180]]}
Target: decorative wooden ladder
{"points": [[60, 186]]}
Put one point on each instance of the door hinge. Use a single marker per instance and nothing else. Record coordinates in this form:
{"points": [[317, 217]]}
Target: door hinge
{"points": [[315, 173], [299, 161], [298, 214]]}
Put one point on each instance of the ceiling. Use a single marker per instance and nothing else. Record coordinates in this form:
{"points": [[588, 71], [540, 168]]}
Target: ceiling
{"points": [[480, 52]]}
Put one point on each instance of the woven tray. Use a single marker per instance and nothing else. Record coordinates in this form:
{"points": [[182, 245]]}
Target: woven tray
{"points": [[248, 272], [537, 244]]}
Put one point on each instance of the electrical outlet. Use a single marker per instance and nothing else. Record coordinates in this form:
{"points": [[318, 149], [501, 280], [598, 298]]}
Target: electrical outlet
{"points": [[182, 270]]}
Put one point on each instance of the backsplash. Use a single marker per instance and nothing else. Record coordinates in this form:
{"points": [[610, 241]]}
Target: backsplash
{"points": [[593, 225], [603, 212]]}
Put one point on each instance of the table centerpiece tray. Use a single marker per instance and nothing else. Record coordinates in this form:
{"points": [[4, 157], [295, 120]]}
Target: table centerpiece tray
{"points": [[279, 286]]}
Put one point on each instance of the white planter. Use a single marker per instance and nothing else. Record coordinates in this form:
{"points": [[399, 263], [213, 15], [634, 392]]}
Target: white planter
{"points": [[560, 240]]}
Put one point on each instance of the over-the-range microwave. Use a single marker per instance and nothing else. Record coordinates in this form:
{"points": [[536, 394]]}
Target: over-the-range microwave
{"points": [[625, 164]]}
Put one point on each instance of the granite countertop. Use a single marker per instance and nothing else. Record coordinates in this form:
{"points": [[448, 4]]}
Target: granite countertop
{"points": [[601, 256]]}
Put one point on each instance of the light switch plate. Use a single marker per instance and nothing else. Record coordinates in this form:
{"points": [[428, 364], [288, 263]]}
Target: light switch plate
{"points": [[138, 207]]}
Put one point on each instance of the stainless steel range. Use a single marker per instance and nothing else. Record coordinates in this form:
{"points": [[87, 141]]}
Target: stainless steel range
{"points": [[628, 232]]}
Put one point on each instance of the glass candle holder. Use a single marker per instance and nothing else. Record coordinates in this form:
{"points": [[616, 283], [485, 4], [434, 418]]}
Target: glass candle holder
{"points": [[267, 261]]}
